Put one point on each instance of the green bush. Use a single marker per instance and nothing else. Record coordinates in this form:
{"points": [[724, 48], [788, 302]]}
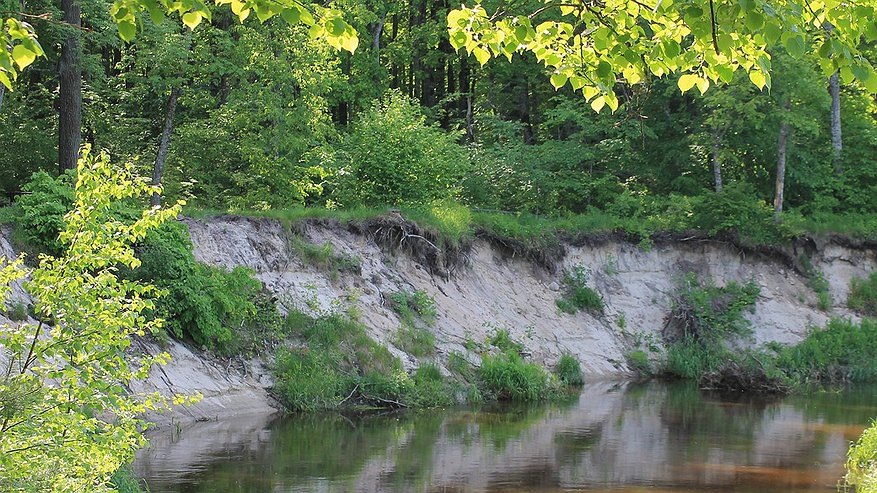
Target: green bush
{"points": [[708, 313], [430, 388], [508, 377], [737, 209], [502, 340], [17, 312], [578, 295], [392, 156], [411, 306], [690, 359], [45, 201], [219, 309], [569, 371], [862, 462], [863, 295]]}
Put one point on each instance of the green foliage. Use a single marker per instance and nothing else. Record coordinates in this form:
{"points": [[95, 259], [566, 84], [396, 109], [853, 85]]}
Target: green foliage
{"points": [[862, 462], [392, 156], [125, 481], [702, 311], [414, 305], [57, 401], [42, 209], [508, 377], [863, 295], [415, 341], [638, 361], [841, 352], [705, 42], [308, 380], [737, 209], [577, 294], [569, 371], [502, 340], [818, 283], [17, 312], [223, 310], [691, 359]]}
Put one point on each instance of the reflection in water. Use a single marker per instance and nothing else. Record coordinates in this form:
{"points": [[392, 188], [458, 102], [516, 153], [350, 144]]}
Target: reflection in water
{"points": [[622, 438]]}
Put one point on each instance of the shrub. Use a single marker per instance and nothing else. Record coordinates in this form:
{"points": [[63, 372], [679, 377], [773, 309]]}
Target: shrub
{"points": [[863, 295], [411, 306], [691, 359], [578, 295], [569, 371], [219, 309], [862, 462], [430, 388], [507, 377], [43, 205], [392, 156], [708, 313], [737, 209], [17, 312], [502, 340]]}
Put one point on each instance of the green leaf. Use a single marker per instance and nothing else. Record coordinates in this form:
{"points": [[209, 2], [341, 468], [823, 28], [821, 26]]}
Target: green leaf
{"points": [[795, 46], [598, 103], [758, 79], [292, 15], [687, 81], [481, 55], [5, 80], [127, 31], [558, 80], [192, 19], [23, 56]]}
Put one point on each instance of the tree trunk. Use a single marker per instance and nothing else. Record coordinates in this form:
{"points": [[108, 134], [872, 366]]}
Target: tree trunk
{"points": [[376, 45], [158, 170], [781, 161], [2, 92], [70, 90], [714, 161], [836, 137]]}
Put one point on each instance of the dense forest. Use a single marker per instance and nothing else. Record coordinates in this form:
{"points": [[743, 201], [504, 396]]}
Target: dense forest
{"points": [[641, 118], [238, 116]]}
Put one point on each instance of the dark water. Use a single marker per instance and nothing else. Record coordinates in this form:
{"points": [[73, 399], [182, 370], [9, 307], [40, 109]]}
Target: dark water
{"points": [[621, 438]]}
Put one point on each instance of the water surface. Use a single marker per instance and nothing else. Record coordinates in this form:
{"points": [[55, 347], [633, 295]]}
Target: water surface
{"points": [[621, 438]]}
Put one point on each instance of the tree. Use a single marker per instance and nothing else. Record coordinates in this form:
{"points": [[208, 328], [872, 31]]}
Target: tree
{"points": [[70, 89], [597, 44], [68, 420]]}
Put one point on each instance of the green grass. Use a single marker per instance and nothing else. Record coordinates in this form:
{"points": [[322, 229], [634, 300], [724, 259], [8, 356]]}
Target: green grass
{"points": [[863, 295], [507, 376], [569, 371], [415, 341], [125, 481], [639, 362], [841, 352]]}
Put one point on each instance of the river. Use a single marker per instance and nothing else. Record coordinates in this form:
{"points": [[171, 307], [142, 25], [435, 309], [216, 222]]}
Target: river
{"points": [[613, 437]]}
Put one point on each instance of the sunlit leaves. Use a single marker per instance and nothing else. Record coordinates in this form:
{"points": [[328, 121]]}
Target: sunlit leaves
{"points": [[325, 24], [70, 419], [596, 45], [18, 49]]}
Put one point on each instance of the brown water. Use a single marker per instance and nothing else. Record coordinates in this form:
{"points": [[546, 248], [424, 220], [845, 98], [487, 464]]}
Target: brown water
{"points": [[621, 438]]}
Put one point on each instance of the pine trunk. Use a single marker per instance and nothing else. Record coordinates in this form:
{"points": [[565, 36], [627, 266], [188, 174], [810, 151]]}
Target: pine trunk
{"points": [[70, 90]]}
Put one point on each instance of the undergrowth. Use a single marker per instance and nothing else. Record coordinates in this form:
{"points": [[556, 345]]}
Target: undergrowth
{"points": [[863, 295], [577, 295]]}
